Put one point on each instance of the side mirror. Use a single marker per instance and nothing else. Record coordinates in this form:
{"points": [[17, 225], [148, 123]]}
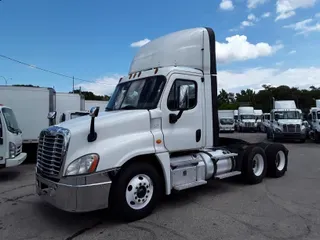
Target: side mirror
{"points": [[52, 115], [183, 97], [94, 112]]}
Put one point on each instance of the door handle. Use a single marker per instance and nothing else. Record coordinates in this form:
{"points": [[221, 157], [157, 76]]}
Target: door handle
{"points": [[198, 135]]}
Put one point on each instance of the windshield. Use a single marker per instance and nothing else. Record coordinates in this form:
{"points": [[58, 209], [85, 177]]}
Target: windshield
{"points": [[139, 94], [11, 121], [248, 117], [77, 114], [226, 121], [288, 115], [318, 115]]}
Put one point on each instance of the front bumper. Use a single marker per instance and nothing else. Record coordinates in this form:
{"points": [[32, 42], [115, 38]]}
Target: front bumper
{"points": [[12, 162], [226, 129], [76, 193], [283, 135]]}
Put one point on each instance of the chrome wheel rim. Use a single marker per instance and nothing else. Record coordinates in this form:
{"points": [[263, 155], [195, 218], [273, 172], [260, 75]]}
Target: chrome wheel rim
{"points": [[258, 165], [280, 160]]}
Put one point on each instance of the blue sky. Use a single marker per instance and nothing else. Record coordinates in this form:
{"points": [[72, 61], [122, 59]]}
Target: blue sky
{"points": [[91, 39]]}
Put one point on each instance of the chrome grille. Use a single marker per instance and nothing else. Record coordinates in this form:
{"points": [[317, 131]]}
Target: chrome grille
{"points": [[249, 124], [52, 148], [291, 128]]}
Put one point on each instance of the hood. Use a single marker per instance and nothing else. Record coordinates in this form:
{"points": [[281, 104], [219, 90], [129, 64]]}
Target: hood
{"points": [[290, 121]]}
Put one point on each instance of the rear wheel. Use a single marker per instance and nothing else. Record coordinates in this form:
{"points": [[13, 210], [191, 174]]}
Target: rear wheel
{"points": [[277, 156], [254, 165], [135, 192]]}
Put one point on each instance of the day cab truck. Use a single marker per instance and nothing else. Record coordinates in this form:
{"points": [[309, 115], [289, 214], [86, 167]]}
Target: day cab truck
{"points": [[286, 122], [247, 119], [226, 120], [265, 122], [314, 122], [158, 134], [258, 114], [11, 154]]}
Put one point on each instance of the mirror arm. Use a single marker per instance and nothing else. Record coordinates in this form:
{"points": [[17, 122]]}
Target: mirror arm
{"points": [[173, 118]]}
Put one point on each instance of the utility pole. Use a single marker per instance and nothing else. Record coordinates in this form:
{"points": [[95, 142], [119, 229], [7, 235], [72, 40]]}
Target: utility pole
{"points": [[73, 84]]}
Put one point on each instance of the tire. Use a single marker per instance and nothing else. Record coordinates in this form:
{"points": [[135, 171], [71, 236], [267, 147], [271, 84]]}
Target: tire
{"points": [[277, 157], [135, 175], [302, 140], [254, 165]]}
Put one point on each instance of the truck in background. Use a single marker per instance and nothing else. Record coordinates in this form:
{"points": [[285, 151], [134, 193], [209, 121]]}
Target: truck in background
{"points": [[265, 122], [10, 139], [236, 118], [159, 133], [66, 102], [286, 122], [68, 115], [95, 103], [226, 120], [31, 106], [314, 122], [258, 114], [247, 119]]}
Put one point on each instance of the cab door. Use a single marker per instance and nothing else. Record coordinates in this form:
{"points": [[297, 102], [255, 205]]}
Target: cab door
{"points": [[2, 140], [182, 113]]}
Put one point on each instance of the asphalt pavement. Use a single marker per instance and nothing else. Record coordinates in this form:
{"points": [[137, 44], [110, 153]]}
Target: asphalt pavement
{"points": [[284, 208]]}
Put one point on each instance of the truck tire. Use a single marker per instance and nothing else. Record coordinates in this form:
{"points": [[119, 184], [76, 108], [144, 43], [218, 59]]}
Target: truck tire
{"points": [[254, 164], [277, 156], [135, 192]]}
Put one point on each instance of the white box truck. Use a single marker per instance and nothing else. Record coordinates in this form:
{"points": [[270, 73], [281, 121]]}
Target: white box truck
{"points": [[286, 122], [247, 119], [31, 106], [10, 139], [314, 122], [95, 103], [226, 120], [159, 133]]}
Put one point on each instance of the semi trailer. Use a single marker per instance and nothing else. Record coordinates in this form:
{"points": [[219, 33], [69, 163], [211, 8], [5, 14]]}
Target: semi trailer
{"points": [[158, 134]]}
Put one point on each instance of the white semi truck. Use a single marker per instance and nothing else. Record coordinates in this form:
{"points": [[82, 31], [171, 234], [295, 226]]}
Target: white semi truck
{"points": [[265, 122], [10, 139], [314, 122], [159, 134], [247, 119], [66, 102], [226, 120], [258, 114], [286, 122]]}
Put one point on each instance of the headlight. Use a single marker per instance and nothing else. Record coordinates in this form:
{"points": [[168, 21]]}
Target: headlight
{"points": [[278, 130], [12, 150], [85, 164]]}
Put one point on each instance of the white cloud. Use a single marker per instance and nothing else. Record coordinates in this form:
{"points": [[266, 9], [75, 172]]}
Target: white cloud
{"points": [[286, 8], [266, 15], [140, 43], [256, 77], [304, 27], [292, 52], [246, 24], [254, 3], [226, 5], [237, 48], [251, 17], [101, 86]]}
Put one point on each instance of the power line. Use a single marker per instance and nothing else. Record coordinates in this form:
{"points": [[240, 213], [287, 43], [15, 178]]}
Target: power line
{"points": [[48, 71]]}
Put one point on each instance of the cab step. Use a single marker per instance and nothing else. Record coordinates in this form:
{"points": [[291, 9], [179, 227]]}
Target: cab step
{"points": [[227, 175], [189, 185]]}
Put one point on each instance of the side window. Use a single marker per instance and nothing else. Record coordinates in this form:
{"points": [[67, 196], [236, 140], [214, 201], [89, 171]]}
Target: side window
{"points": [[183, 92]]}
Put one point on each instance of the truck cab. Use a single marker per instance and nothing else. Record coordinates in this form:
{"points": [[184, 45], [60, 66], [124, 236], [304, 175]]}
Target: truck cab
{"points": [[159, 133], [265, 122], [10, 139], [226, 120], [258, 113], [247, 119], [314, 122], [286, 122]]}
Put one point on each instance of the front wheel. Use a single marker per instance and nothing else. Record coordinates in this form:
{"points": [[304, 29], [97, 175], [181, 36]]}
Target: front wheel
{"points": [[135, 192]]}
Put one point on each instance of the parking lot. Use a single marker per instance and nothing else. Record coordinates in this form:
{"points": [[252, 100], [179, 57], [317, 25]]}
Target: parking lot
{"points": [[284, 208]]}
